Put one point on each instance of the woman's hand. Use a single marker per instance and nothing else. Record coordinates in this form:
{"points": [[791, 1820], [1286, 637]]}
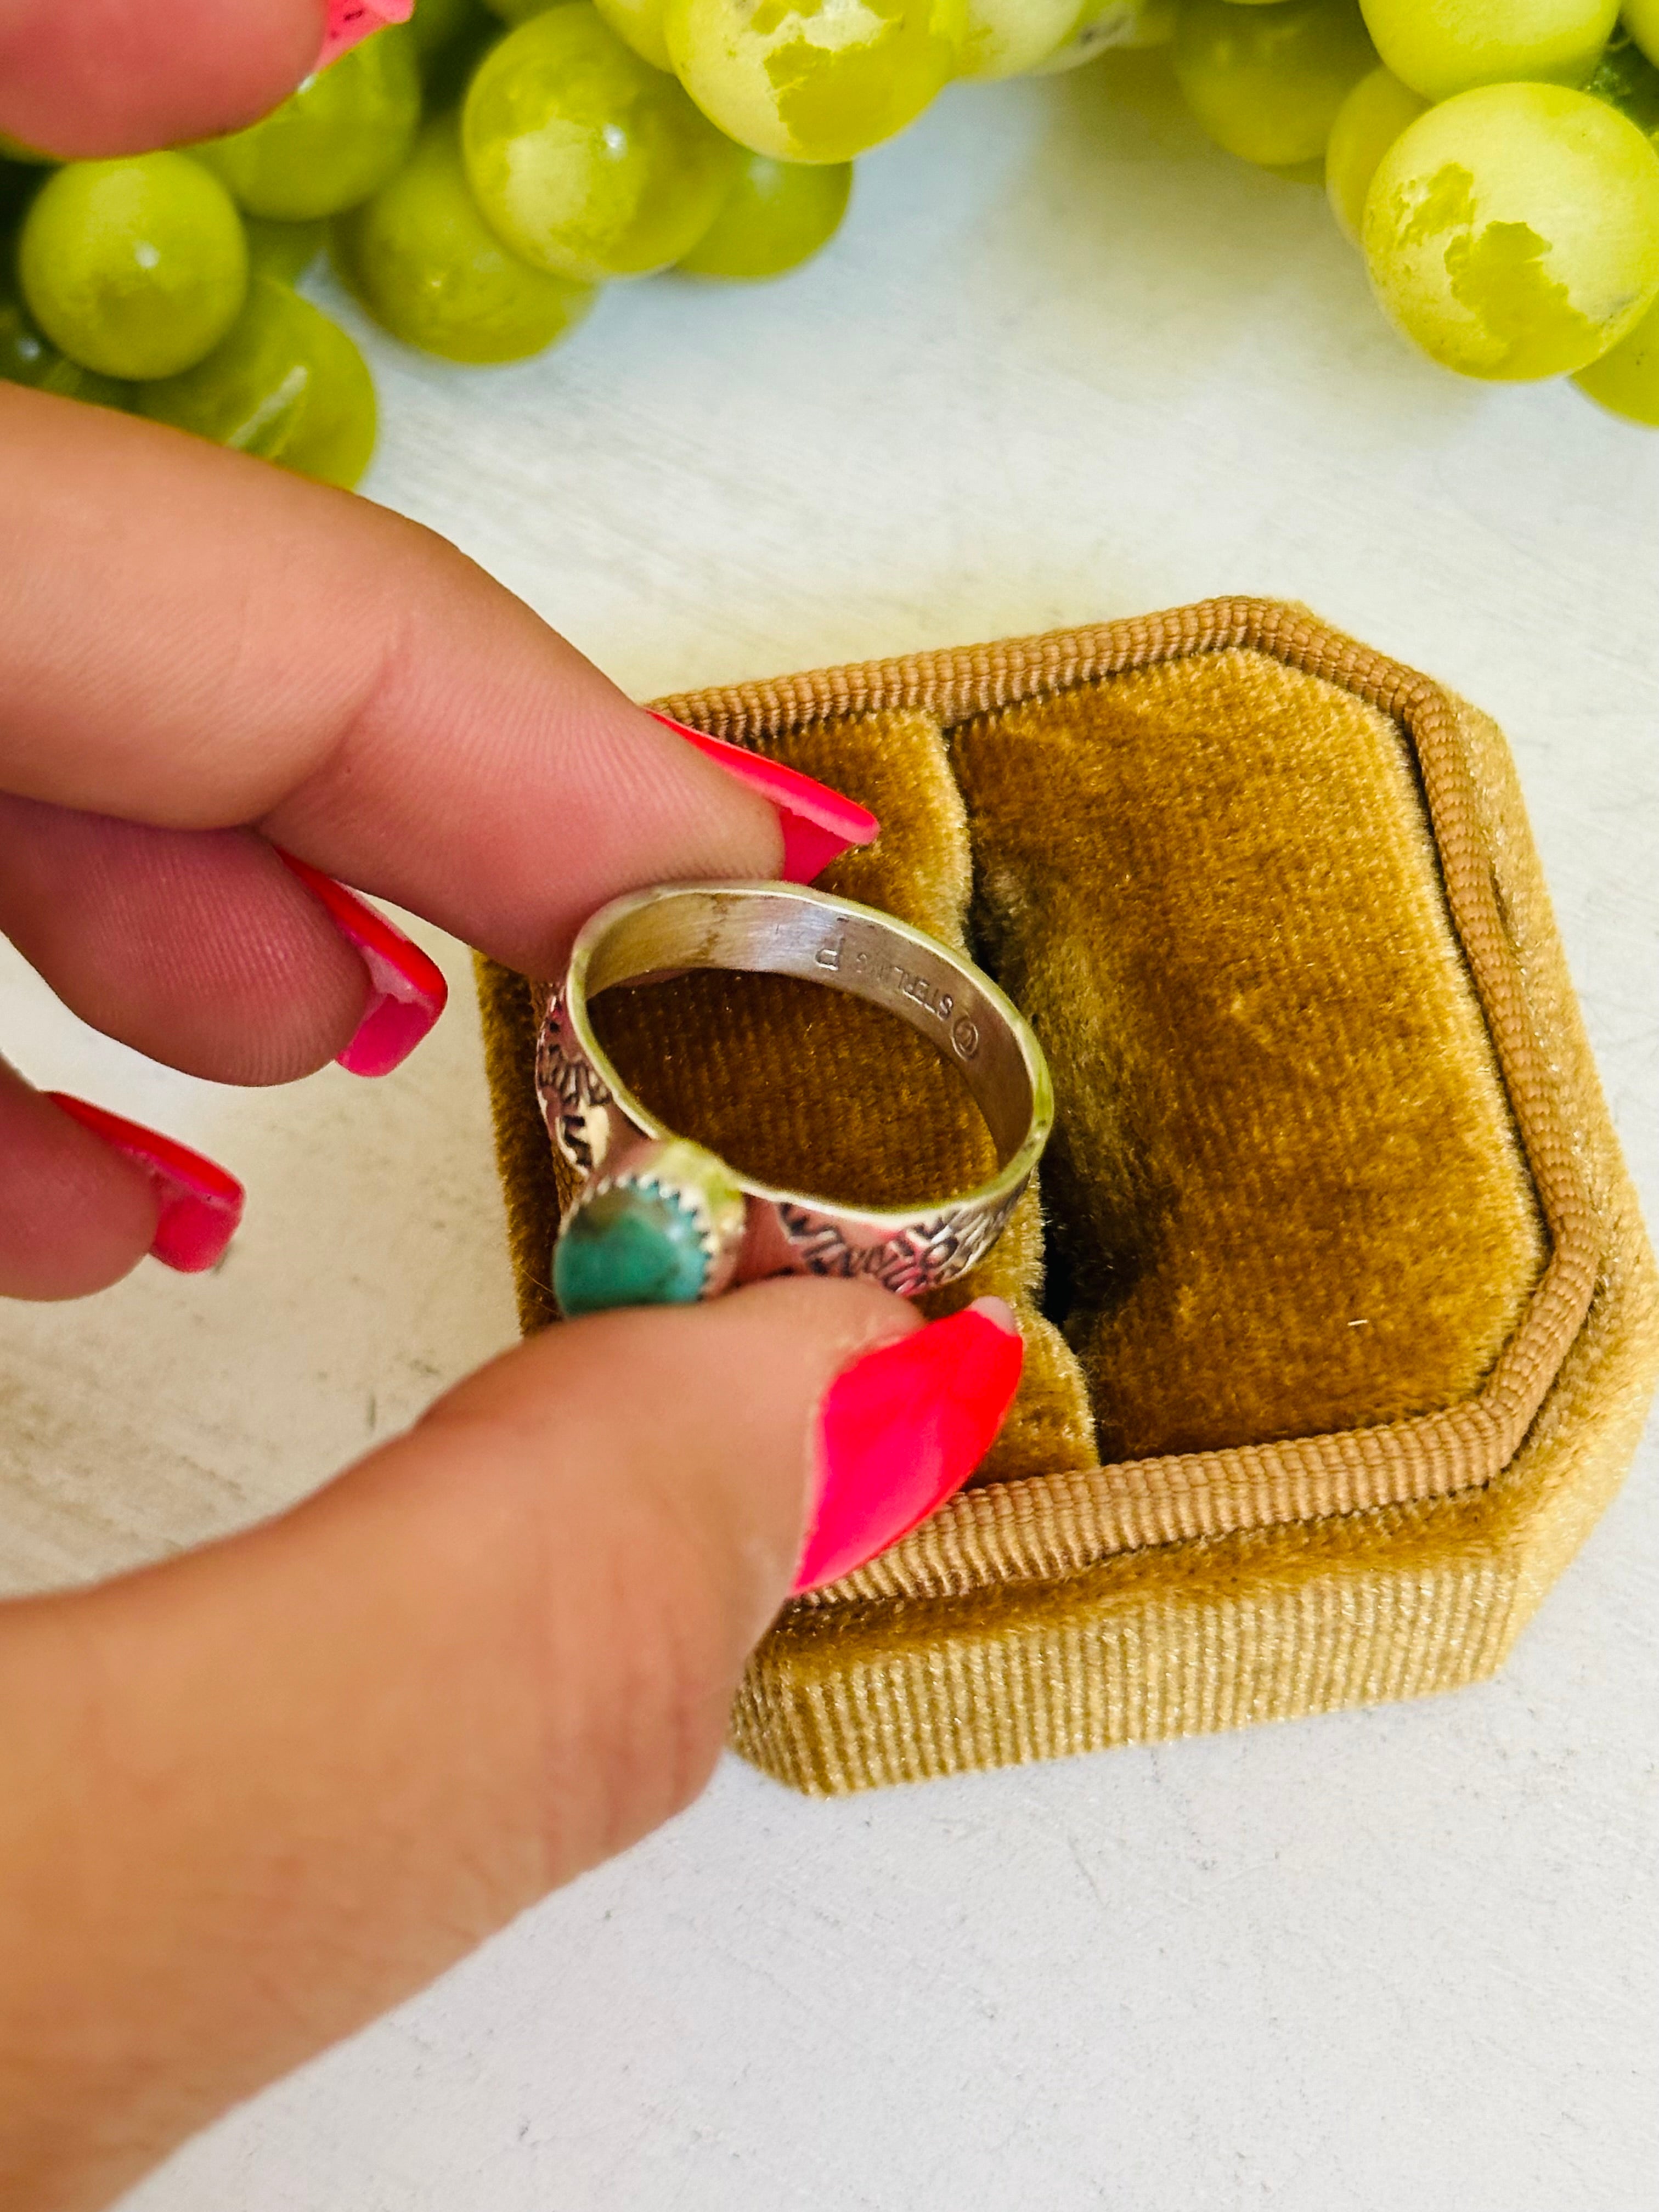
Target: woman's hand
{"points": [[201, 659], [250, 1798]]}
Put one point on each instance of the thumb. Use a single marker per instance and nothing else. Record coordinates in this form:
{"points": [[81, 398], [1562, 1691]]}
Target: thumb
{"points": [[252, 1797]]}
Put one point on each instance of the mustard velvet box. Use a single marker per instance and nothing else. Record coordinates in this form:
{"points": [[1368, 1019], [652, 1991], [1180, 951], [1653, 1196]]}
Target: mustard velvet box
{"points": [[1340, 1323]]}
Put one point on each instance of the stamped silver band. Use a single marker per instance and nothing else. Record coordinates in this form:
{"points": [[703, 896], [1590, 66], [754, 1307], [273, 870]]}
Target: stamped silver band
{"points": [[777, 929]]}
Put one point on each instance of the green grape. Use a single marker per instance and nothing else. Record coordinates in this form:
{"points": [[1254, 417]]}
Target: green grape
{"points": [[583, 158], [1442, 47], [1009, 38], [775, 217], [136, 268], [1513, 231], [28, 357], [437, 24], [520, 11], [450, 36], [1628, 81], [426, 264], [17, 183], [283, 250], [1106, 26], [1626, 379], [286, 384], [1642, 22], [814, 80], [1367, 123], [1267, 82], [638, 23], [448, 77], [334, 140]]}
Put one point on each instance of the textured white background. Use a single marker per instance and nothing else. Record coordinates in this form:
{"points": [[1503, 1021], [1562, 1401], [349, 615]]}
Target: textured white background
{"points": [[1065, 362]]}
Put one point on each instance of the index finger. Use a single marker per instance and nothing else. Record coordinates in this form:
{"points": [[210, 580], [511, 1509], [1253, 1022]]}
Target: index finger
{"points": [[116, 77], [195, 640]]}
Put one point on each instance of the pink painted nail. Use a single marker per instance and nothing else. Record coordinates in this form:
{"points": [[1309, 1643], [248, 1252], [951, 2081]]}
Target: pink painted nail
{"points": [[904, 1430], [200, 1205], [818, 823], [350, 22], [410, 991]]}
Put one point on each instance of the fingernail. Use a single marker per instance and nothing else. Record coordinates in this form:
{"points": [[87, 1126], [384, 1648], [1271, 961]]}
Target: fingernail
{"points": [[904, 1430], [818, 823], [201, 1205], [409, 989], [351, 20]]}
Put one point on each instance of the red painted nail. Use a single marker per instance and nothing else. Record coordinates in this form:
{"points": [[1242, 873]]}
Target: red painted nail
{"points": [[818, 823], [410, 991], [349, 22], [902, 1430], [201, 1204]]}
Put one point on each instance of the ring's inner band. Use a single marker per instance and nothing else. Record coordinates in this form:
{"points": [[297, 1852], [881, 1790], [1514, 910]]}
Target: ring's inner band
{"points": [[783, 935]]}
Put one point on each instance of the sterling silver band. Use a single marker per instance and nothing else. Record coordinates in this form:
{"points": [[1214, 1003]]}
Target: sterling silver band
{"points": [[777, 929]]}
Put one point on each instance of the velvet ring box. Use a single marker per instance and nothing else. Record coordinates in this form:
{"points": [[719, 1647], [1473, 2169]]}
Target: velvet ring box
{"points": [[1340, 1321]]}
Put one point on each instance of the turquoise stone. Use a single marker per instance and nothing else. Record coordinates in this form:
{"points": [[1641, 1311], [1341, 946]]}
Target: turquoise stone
{"points": [[628, 1248]]}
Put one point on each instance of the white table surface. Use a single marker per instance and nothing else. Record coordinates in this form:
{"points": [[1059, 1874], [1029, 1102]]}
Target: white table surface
{"points": [[1066, 362]]}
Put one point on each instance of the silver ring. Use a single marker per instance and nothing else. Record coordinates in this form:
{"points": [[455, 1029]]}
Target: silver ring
{"points": [[726, 1226]]}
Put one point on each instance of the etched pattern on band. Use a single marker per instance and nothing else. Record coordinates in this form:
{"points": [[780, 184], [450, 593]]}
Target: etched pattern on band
{"points": [[925, 1255], [569, 1090]]}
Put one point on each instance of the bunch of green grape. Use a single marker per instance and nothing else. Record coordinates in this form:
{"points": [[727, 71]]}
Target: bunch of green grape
{"points": [[478, 174], [1496, 161]]}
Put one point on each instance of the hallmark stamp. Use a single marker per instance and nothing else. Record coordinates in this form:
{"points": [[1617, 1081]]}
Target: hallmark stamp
{"points": [[894, 978]]}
